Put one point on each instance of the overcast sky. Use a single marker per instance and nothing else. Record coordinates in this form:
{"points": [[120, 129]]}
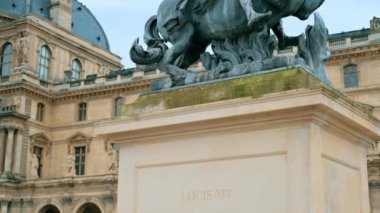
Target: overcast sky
{"points": [[124, 20]]}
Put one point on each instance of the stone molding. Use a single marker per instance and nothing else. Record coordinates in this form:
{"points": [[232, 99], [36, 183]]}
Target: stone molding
{"points": [[79, 138], [58, 97], [42, 140], [11, 123], [4, 20], [355, 52]]}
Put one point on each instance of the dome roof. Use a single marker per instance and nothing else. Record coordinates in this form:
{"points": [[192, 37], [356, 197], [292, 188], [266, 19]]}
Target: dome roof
{"points": [[84, 22]]}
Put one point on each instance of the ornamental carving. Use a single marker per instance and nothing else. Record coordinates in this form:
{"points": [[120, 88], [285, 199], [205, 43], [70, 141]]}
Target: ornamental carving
{"points": [[11, 102], [10, 123], [4, 20], [78, 139], [40, 139], [103, 70]]}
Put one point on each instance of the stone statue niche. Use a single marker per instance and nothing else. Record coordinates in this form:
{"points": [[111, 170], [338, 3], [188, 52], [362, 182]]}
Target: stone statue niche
{"points": [[240, 38]]}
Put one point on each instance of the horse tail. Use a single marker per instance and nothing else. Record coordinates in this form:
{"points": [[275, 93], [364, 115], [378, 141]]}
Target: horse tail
{"points": [[156, 45]]}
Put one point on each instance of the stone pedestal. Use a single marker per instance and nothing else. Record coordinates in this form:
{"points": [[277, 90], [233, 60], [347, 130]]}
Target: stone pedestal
{"points": [[272, 143]]}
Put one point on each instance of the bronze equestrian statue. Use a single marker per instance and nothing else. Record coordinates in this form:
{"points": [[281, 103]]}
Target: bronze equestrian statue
{"points": [[190, 26]]}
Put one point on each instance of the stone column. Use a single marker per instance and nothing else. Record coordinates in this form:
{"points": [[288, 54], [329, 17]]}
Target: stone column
{"points": [[2, 151], [4, 206], [9, 151], [18, 150]]}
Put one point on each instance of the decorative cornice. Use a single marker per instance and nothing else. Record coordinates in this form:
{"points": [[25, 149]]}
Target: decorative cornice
{"points": [[56, 97], [355, 52]]}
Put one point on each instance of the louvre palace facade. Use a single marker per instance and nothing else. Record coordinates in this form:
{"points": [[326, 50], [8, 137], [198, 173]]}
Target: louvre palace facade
{"points": [[58, 79]]}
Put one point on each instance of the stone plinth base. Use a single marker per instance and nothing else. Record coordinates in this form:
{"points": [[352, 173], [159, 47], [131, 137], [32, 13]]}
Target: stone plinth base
{"points": [[297, 146]]}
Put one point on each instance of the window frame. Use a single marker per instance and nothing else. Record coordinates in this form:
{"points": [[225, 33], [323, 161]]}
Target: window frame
{"points": [[118, 103], [80, 160], [44, 61], [351, 76], [9, 48], [76, 69], [40, 115], [82, 111]]}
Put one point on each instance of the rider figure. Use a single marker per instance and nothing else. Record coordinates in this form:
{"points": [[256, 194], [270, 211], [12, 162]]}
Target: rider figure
{"points": [[202, 6]]}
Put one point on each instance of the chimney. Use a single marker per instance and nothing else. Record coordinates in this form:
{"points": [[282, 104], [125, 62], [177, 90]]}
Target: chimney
{"points": [[60, 12]]}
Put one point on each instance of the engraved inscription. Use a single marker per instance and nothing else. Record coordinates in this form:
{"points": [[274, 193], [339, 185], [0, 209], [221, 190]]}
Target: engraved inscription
{"points": [[206, 195]]}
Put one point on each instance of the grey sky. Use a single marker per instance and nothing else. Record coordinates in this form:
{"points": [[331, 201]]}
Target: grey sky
{"points": [[124, 20]]}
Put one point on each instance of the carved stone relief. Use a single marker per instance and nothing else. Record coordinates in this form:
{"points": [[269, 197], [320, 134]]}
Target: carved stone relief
{"points": [[103, 70], [22, 48], [4, 20]]}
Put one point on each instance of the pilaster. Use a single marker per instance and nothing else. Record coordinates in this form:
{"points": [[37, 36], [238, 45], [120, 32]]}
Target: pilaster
{"points": [[17, 153], [9, 151], [2, 149]]}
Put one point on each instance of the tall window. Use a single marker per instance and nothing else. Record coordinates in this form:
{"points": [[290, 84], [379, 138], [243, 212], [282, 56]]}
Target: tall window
{"points": [[44, 63], [40, 112], [118, 105], [6, 60], [80, 160], [82, 111], [76, 68], [38, 152], [351, 76]]}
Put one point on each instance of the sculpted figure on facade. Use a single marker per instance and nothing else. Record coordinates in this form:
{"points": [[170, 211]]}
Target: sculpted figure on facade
{"points": [[241, 44], [70, 170], [112, 161], [34, 165], [22, 48]]}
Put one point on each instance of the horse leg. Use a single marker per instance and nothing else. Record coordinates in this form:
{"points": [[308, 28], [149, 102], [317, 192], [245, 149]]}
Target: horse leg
{"points": [[192, 55], [181, 41], [284, 41]]}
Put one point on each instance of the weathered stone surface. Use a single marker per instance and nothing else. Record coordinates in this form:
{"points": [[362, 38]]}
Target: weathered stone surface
{"points": [[249, 86]]}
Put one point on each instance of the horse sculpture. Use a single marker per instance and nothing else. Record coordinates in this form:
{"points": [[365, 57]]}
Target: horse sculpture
{"points": [[223, 23]]}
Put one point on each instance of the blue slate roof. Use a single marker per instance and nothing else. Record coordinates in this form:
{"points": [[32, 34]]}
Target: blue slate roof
{"points": [[84, 22], [355, 33]]}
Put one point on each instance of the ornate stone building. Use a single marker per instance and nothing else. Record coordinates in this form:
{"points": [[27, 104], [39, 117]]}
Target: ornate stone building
{"points": [[58, 79]]}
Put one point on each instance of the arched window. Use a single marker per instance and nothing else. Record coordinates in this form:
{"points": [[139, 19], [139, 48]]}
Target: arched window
{"points": [[40, 112], [6, 60], [118, 105], [89, 208], [44, 63], [76, 68], [49, 209], [351, 76], [82, 111]]}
